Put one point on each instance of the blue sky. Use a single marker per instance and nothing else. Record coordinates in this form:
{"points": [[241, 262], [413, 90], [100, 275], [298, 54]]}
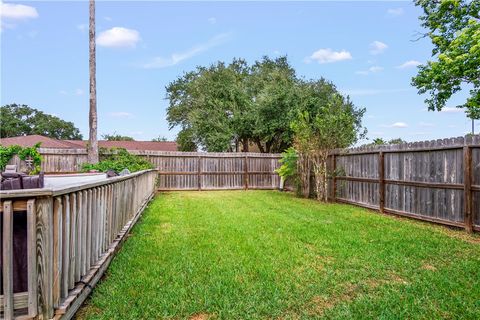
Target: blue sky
{"points": [[366, 48]]}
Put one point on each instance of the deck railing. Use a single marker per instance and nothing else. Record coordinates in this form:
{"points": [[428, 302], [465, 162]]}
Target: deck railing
{"points": [[56, 243]]}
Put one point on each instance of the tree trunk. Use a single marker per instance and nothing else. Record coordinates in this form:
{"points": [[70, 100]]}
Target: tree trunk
{"points": [[268, 146], [319, 161], [245, 145], [259, 144], [92, 147]]}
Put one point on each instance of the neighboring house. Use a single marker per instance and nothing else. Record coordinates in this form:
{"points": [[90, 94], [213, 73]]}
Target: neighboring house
{"points": [[46, 142]]}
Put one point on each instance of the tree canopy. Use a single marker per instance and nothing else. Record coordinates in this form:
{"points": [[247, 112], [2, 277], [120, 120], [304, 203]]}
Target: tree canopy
{"points": [[223, 106], [325, 120], [160, 139], [116, 137], [381, 141], [19, 120], [454, 29]]}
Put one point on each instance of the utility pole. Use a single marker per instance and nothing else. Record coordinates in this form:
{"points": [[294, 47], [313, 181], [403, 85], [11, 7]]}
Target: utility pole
{"points": [[92, 147]]}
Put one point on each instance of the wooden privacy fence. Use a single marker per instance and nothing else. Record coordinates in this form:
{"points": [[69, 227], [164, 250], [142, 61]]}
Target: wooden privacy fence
{"points": [[212, 171], [437, 181], [185, 170], [57, 243]]}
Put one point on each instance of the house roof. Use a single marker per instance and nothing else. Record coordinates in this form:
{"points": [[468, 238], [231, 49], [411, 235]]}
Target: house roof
{"points": [[28, 141], [131, 145]]}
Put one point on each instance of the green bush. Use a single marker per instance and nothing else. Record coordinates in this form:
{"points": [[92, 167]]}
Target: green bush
{"points": [[288, 168], [118, 159], [7, 153]]}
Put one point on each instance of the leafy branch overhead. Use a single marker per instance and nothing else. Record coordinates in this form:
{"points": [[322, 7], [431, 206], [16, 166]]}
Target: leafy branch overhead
{"points": [[453, 26]]}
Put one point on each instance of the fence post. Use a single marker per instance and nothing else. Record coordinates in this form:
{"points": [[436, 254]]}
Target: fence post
{"points": [[334, 172], [467, 181], [199, 173], [381, 181], [245, 174]]}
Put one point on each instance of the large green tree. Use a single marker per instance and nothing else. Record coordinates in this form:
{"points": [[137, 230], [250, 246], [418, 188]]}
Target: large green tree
{"points": [[325, 120], [19, 120], [454, 29], [274, 88], [221, 107], [211, 103], [116, 137]]}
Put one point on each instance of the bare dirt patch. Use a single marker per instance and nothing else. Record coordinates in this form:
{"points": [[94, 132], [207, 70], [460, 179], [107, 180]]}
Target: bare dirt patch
{"points": [[427, 266], [200, 316], [166, 227], [320, 304]]}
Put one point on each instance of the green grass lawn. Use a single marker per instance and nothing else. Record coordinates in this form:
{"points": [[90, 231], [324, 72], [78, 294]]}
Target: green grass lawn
{"points": [[269, 255]]}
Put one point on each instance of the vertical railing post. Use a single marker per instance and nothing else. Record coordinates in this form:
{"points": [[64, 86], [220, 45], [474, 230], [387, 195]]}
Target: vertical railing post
{"points": [[467, 190], [381, 181], [7, 256], [32, 258], [57, 250], [44, 252]]}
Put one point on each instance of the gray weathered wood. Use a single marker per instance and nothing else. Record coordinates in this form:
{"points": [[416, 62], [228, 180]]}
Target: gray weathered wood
{"points": [[7, 255]]}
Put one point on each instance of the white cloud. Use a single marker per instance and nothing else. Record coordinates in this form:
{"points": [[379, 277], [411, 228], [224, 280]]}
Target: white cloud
{"points": [[371, 92], [395, 125], [452, 110], [17, 11], [362, 72], [409, 64], [377, 47], [120, 114], [107, 18], [426, 124], [118, 37], [329, 56], [373, 69], [176, 58], [420, 133], [82, 27], [212, 20], [76, 92], [395, 12]]}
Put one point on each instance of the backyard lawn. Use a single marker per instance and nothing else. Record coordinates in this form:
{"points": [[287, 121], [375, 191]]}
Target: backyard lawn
{"points": [[269, 255]]}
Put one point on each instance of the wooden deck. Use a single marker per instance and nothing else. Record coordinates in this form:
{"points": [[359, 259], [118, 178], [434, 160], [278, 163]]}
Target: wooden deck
{"points": [[71, 233]]}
